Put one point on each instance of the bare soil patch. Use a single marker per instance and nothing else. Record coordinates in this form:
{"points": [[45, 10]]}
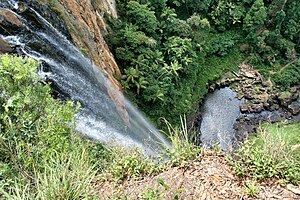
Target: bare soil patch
{"points": [[210, 178]]}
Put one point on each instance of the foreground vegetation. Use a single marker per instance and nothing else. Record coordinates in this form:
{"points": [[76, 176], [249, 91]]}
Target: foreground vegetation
{"points": [[273, 153], [43, 158], [41, 155]]}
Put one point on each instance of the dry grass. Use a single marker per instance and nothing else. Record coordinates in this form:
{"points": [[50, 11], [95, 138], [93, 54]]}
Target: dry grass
{"points": [[209, 177]]}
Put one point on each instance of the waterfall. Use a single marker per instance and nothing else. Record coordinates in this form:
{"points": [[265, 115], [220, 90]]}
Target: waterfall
{"points": [[77, 78]]}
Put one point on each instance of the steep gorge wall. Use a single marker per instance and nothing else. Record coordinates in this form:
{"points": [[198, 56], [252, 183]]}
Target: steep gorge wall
{"points": [[85, 23], [82, 21]]}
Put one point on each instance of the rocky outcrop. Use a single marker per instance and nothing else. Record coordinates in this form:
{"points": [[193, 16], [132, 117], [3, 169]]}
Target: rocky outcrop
{"points": [[294, 107], [9, 24], [83, 23], [5, 47], [9, 20]]}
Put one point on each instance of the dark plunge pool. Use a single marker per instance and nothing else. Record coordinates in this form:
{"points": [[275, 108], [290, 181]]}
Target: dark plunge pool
{"points": [[219, 114]]}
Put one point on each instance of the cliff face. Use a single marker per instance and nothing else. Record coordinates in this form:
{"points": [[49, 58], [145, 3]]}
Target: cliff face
{"points": [[85, 21], [82, 21]]}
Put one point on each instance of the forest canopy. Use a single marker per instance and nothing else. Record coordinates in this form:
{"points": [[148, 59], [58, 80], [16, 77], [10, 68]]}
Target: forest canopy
{"points": [[169, 50]]}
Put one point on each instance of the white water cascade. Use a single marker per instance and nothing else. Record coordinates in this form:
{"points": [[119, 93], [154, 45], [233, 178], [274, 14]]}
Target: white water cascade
{"points": [[77, 78]]}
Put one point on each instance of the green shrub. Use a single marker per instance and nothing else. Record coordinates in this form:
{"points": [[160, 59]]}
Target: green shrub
{"points": [[182, 150], [222, 45], [125, 163], [288, 77], [267, 156], [40, 157], [33, 125]]}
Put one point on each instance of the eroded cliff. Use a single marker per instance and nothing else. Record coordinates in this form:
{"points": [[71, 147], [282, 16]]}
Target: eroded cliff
{"points": [[83, 23]]}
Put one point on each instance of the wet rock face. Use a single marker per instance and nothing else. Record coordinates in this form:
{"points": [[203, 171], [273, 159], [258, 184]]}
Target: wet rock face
{"points": [[285, 98], [5, 47], [86, 24], [81, 22], [48, 12], [262, 101], [9, 22], [294, 107]]}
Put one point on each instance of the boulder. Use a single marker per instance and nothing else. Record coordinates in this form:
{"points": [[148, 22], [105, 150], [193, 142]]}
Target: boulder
{"points": [[9, 21], [22, 7], [285, 98], [295, 97], [244, 107], [274, 107], [294, 89], [248, 95], [5, 47], [294, 107], [266, 84], [266, 105], [256, 108]]}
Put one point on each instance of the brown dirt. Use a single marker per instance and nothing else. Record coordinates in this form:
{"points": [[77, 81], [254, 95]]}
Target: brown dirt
{"points": [[210, 178], [284, 67]]}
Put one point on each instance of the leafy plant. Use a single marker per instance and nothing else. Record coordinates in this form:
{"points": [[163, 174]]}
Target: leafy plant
{"points": [[155, 194], [182, 150], [289, 76], [125, 163], [251, 188], [151, 194], [268, 156], [40, 155]]}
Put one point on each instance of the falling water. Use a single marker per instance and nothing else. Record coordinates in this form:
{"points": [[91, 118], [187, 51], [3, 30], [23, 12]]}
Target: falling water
{"points": [[77, 78]]}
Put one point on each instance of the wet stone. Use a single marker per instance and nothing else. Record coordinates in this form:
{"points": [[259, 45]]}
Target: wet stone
{"points": [[295, 97], [9, 22], [294, 107], [256, 108], [266, 84], [294, 89], [285, 98], [4, 46]]}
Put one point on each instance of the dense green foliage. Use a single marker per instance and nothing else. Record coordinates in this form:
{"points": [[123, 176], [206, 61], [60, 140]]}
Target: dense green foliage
{"points": [[289, 76], [40, 156], [169, 50], [30, 118]]}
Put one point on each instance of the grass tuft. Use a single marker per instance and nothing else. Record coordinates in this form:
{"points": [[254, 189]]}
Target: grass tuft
{"points": [[182, 149], [127, 163], [269, 155], [251, 188]]}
